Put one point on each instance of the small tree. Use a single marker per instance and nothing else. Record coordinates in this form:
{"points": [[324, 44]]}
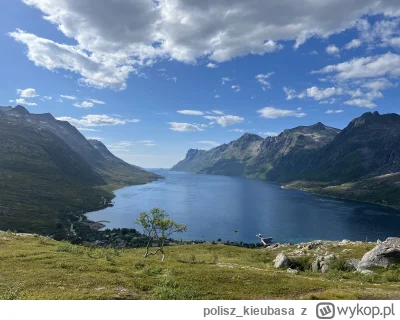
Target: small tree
{"points": [[158, 227]]}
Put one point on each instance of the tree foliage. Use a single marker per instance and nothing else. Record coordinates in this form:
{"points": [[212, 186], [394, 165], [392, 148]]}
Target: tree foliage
{"points": [[158, 227]]}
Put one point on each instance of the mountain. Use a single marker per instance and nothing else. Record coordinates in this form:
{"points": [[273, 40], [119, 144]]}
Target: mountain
{"points": [[48, 170], [253, 156], [348, 164]]}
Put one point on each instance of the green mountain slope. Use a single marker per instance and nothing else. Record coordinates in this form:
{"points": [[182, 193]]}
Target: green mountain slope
{"points": [[44, 181]]}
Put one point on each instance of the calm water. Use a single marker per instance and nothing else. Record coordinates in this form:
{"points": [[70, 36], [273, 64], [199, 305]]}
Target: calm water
{"points": [[215, 206]]}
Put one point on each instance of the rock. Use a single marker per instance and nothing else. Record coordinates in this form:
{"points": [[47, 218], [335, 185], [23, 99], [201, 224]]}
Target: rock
{"points": [[322, 264], [345, 241], [384, 254], [366, 271], [353, 264], [293, 271], [378, 241], [281, 261]]}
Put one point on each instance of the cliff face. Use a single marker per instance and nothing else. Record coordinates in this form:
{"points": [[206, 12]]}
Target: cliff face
{"points": [[253, 156]]}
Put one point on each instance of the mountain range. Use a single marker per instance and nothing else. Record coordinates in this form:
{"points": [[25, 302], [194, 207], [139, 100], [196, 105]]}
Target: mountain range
{"points": [[360, 162], [49, 171]]}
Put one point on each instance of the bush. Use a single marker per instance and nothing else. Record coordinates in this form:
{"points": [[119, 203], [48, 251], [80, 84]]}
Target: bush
{"points": [[339, 264], [302, 263], [13, 292]]}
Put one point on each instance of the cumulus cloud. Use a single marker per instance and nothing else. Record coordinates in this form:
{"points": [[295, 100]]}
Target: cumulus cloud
{"points": [[83, 104], [116, 38], [274, 113], [191, 112], [366, 67], [364, 103], [355, 43], [184, 127], [27, 93], [334, 111], [225, 121], [236, 88], [24, 102], [212, 65], [96, 120], [332, 50]]}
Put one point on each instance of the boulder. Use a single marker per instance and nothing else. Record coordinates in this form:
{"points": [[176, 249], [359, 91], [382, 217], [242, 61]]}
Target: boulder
{"points": [[293, 271], [353, 264], [384, 254], [368, 272], [322, 264], [281, 261]]}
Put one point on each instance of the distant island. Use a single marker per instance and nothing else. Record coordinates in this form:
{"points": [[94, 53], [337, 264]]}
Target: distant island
{"points": [[360, 162]]}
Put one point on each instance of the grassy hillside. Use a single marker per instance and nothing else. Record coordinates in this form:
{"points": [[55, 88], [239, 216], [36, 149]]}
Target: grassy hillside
{"points": [[33, 267], [382, 190]]}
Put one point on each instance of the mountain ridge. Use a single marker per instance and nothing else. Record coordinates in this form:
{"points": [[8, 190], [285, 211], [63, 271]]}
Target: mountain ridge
{"points": [[49, 172], [318, 158]]}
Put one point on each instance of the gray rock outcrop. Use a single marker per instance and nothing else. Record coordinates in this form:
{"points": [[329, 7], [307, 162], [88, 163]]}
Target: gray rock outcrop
{"points": [[384, 254], [281, 261]]}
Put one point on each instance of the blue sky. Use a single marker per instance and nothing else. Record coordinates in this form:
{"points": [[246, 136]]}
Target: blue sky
{"points": [[153, 79]]}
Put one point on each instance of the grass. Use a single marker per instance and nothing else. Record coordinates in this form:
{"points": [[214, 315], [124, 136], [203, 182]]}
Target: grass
{"points": [[33, 267]]}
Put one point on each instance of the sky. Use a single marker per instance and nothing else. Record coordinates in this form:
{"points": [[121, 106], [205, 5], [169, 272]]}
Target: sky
{"points": [[154, 78]]}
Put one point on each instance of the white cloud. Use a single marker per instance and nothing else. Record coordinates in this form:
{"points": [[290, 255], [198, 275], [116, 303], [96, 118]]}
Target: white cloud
{"points": [[218, 112], [217, 96], [334, 111], [239, 130], [116, 38], [87, 129], [364, 103], [272, 46], [274, 113], [96, 120], [46, 98], [225, 121], [262, 79], [121, 146], [269, 134], [27, 103], [68, 97], [236, 88], [332, 50], [378, 84], [366, 67], [212, 65], [226, 79], [27, 93], [184, 127], [60, 100], [355, 43], [83, 104], [95, 138], [147, 143], [208, 143], [191, 112], [97, 101], [319, 94]]}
